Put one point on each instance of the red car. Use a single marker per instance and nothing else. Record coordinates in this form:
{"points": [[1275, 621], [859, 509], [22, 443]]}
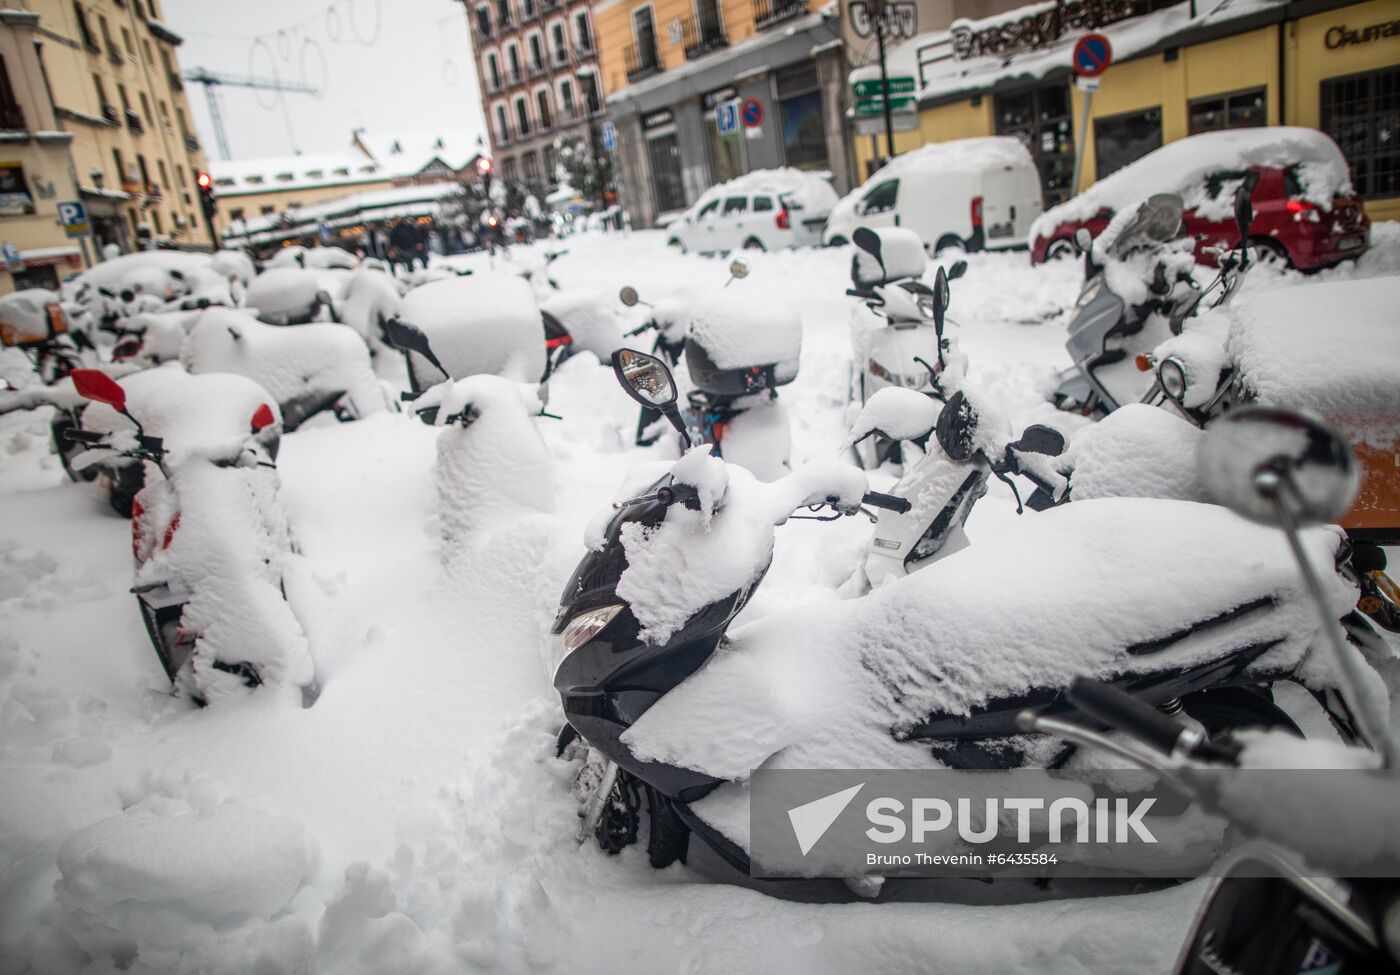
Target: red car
{"points": [[1286, 223]]}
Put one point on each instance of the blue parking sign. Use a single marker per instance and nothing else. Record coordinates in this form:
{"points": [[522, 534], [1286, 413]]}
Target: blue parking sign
{"points": [[73, 215], [609, 137], [727, 117]]}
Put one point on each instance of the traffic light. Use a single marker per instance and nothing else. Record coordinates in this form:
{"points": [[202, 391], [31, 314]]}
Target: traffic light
{"points": [[483, 166], [205, 182]]}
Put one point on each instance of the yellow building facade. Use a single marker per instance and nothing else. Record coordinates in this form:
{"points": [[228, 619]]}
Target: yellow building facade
{"points": [[1325, 65]]}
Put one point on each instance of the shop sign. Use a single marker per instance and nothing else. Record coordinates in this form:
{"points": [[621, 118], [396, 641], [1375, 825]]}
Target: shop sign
{"points": [[715, 98], [1342, 35], [10, 254], [657, 119], [1039, 29], [15, 199]]}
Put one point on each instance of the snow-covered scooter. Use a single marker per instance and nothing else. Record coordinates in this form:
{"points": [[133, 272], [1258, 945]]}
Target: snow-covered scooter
{"points": [[739, 347], [929, 671], [1303, 892], [210, 537]]}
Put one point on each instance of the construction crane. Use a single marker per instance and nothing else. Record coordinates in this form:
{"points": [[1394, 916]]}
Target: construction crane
{"points": [[211, 81]]}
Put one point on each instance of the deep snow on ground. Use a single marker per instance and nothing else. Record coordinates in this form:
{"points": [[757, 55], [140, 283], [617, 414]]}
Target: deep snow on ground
{"points": [[415, 818]]}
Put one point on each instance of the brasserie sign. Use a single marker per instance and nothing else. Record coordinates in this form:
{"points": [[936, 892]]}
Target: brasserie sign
{"points": [[1039, 29]]}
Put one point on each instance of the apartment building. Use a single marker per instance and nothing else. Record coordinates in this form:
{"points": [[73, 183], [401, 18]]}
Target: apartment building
{"points": [[667, 64], [537, 64], [114, 79]]}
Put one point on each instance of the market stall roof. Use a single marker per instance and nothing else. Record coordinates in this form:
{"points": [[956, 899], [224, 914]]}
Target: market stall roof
{"points": [[374, 205]]}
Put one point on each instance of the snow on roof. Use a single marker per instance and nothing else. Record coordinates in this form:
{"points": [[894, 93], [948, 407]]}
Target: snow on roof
{"points": [[811, 190], [1182, 167], [370, 205], [235, 177], [957, 155], [940, 73], [403, 154]]}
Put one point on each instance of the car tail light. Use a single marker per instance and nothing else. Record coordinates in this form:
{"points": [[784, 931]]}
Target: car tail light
{"points": [[782, 220], [1302, 210], [976, 212]]}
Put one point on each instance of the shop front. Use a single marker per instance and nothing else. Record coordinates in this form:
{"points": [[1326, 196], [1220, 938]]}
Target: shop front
{"points": [[1329, 65]]}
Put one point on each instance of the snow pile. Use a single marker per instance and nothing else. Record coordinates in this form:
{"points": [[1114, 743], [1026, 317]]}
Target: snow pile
{"points": [[282, 294], [1328, 348], [234, 264], [128, 269], [741, 327], [1183, 166], [168, 879], [371, 299], [304, 361], [834, 685], [697, 557], [1137, 451], [161, 334], [591, 318], [957, 156], [313, 257], [483, 323], [799, 189], [191, 414], [902, 255], [492, 466]]}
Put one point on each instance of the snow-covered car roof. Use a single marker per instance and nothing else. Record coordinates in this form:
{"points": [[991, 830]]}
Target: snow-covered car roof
{"points": [[806, 191], [1182, 167], [1327, 348]]}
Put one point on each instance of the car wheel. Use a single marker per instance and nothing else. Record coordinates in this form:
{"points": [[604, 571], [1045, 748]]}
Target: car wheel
{"points": [[837, 241], [1263, 250], [1060, 247], [948, 242], [754, 244], [675, 244]]}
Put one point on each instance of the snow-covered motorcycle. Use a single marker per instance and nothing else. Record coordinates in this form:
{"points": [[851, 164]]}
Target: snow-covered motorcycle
{"points": [[209, 536]]}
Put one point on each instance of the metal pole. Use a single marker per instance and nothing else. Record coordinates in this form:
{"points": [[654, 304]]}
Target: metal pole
{"points": [[1083, 139], [884, 82]]}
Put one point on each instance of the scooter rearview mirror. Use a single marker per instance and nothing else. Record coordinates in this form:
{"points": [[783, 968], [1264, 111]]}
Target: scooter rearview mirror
{"points": [[99, 387], [1278, 467], [738, 268], [1244, 207], [407, 337], [869, 241], [1040, 439], [647, 380], [958, 269], [629, 297], [942, 295]]}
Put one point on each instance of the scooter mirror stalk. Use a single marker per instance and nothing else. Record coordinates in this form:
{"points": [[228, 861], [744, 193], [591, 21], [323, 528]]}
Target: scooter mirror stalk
{"points": [[646, 379]]}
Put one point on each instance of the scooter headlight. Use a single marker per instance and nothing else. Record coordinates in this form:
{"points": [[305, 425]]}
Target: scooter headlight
{"points": [[1172, 375], [579, 630]]}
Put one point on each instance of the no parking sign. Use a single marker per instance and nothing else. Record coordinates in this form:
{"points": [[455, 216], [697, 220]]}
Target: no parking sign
{"points": [[1092, 55]]}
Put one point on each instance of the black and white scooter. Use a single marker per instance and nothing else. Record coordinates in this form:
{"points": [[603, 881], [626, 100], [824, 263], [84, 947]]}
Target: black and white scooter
{"points": [[626, 638]]}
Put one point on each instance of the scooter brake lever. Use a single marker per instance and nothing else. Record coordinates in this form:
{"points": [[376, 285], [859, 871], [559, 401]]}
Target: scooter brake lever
{"points": [[644, 499]]}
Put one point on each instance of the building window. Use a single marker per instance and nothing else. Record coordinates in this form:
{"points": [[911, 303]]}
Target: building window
{"points": [[483, 20], [556, 39], [11, 115], [236, 213], [1126, 138], [508, 170], [513, 56], [551, 166], [522, 117], [89, 41], [129, 44], [493, 70], [532, 170], [542, 108], [536, 54], [800, 105], [268, 210], [664, 154], [589, 84], [583, 35], [1235, 110], [1362, 115], [502, 129], [566, 97], [1040, 118]]}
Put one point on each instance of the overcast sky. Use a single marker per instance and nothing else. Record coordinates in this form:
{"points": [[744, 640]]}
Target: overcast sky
{"points": [[417, 73]]}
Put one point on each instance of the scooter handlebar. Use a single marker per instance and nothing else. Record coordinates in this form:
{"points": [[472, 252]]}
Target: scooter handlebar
{"points": [[84, 436], [887, 501], [1123, 712]]}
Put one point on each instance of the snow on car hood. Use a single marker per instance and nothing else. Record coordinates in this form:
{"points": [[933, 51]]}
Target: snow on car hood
{"points": [[1277, 339], [486, 322], [1182, 167], [831, 685]]}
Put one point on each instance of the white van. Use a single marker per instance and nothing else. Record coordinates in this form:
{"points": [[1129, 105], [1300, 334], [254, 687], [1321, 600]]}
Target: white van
{"points": [[970, 193]]}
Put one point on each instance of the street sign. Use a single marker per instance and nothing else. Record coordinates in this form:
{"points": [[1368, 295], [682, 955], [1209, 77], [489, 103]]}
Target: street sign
{"points": [[898, 85], [752, 113], [1088, 84], [1092, 55], [727, 117], [609, 137], [903, 122], [10, 253], [870, 107], [73, 215]]}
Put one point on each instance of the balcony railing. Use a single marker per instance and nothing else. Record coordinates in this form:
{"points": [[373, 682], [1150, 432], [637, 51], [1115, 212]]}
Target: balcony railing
{"points": [[536, 68], [642, 61], [114, 55], [191, 143], [133, 121], [110, 113], [766, 13], [154, 192], [483, 28], [702, 34], [514, 76], [12, 118], [529, 11], [175, 83], [493, 84], [560, 56]]}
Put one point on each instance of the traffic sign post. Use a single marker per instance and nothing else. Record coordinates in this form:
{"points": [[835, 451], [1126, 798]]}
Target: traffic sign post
{"points": [[1092, 56]]}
